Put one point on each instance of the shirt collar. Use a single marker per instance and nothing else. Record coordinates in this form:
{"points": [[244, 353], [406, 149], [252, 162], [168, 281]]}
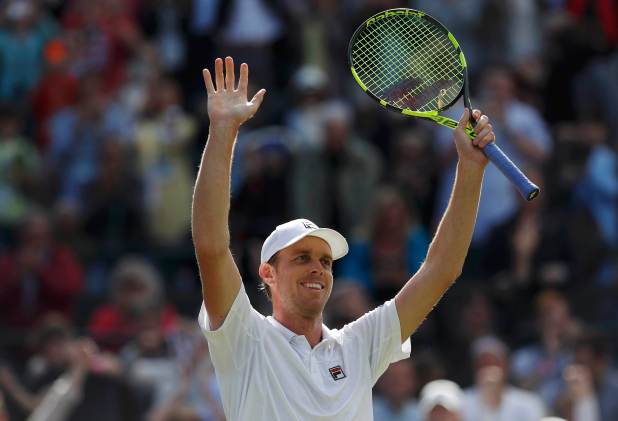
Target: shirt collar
{"points": [[289, 335]]}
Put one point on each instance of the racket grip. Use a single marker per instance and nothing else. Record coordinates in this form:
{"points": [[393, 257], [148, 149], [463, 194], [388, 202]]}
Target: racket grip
{"points": [[527, 188]]}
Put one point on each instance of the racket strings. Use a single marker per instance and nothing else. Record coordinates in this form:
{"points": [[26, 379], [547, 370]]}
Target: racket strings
{"points": [[408, 62]]}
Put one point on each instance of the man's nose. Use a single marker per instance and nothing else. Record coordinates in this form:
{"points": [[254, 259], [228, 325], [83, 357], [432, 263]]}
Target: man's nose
{"points": [[317, 268]]}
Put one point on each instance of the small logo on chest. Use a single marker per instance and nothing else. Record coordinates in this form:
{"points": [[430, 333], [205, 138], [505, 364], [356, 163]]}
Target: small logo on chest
{"points": [[336, 372]]}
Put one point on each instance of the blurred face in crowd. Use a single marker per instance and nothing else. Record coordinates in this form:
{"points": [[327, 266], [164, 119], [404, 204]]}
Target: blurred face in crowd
{"points": [[56, 351], [440, 413], [391, 213], [134, 296], [301, 278], [337, 131], [552, 312], [348, 302], [399, 382], [36, 232], [498, 86]]}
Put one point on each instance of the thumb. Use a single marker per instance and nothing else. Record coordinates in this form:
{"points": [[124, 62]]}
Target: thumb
{"points": [[257, 99], [465, 119]]}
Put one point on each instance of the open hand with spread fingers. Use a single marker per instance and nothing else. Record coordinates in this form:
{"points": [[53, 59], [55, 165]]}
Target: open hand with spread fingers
{"points": [[227, 103]]}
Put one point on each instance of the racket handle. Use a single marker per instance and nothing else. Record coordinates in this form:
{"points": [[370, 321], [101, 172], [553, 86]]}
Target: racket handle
{"points": [[527, 188]]}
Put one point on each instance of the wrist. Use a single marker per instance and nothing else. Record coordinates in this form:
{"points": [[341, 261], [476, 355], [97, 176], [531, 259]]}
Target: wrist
{"points": [[223, 129], [470, 166]]}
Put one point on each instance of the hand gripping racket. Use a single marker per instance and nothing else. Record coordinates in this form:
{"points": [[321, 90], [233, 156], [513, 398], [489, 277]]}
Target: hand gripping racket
{"points": [[410, 63]]}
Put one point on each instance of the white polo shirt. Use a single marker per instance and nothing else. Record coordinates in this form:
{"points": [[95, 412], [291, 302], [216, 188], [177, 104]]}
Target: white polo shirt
{"points": [[267, 372]]}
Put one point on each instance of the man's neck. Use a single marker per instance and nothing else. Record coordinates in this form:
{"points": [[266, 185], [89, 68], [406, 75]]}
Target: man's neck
{"points": [[310, 328]]}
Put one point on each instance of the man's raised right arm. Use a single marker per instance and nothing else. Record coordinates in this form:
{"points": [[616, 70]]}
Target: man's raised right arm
{"points": [[228, 108]]}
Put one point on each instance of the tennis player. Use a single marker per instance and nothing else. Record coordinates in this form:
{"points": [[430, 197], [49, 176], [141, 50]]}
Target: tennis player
{"points": [[289, 366]]}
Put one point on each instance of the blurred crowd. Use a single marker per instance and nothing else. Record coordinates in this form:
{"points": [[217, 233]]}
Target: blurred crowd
{"points": [[102, 123]]}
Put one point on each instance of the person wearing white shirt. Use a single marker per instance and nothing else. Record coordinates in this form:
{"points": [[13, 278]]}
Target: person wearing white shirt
{"points": [[289, 366], [492, 399]]}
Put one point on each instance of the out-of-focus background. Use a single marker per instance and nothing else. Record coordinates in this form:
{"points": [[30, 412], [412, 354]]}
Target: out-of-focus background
{"points": [[102, 123]]}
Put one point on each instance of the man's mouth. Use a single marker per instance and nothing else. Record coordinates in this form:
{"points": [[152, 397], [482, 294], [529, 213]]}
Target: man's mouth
{"points": [[313, 285]]}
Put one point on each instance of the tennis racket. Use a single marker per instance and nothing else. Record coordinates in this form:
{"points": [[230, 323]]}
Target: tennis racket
{"points": [[410, 63]]}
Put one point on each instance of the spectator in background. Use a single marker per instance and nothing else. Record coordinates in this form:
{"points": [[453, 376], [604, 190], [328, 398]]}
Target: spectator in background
{"points": [[260, 33], [538, 367], [112, 203], [441, 400], [72, 376], [416, 182], [529, 251], [308, 89], [332, 184], [38, 276], [593, 351], [597, 191], [164, 134], [395, 399], [77, 134], [21, 46], [66, 392], [472, 315], [492, 398], [578, 401], [348, 301], [395, 244], [19, 170], [136, 295], [56, 90], [177, 372], [101, 36]]}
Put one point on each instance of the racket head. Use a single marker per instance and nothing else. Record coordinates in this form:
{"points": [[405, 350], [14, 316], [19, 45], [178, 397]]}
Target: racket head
{"points": [[408, 62]]}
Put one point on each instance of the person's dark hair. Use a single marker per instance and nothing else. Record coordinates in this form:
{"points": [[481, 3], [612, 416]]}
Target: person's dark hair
{"points": [[263, 286]]}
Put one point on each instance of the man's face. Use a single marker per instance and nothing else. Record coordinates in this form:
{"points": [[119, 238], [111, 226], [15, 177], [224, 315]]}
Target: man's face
{"points": [[302, 278], [440, 413]]}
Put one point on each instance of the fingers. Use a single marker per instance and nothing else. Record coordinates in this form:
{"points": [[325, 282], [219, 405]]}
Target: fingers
{"points": [[210, 89], [219, 74], [244, 78], [229, 74], [226, 80], [483, 129]]}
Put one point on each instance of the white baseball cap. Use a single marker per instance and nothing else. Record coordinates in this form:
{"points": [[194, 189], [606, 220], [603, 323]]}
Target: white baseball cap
{"points": [[441, 392], [291, 232]]}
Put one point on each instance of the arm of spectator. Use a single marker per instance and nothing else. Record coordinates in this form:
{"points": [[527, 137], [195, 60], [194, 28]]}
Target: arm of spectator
{"points": [[13, 388], [228, 108], [67, 391]]}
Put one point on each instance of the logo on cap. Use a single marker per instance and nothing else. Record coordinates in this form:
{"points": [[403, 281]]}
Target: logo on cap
{"points": [[337, 372], [309, 225]]}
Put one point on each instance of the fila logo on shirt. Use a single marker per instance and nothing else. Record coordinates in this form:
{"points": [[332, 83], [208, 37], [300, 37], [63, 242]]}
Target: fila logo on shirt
{"points": [[337, 372]]}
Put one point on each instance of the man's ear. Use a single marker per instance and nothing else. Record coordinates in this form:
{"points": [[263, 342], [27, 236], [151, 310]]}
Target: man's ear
{"points": [[266, 272]]}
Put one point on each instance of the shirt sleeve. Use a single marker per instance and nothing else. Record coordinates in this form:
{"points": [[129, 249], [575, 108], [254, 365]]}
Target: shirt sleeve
{"points": [[232, 343], [379, 334]]}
